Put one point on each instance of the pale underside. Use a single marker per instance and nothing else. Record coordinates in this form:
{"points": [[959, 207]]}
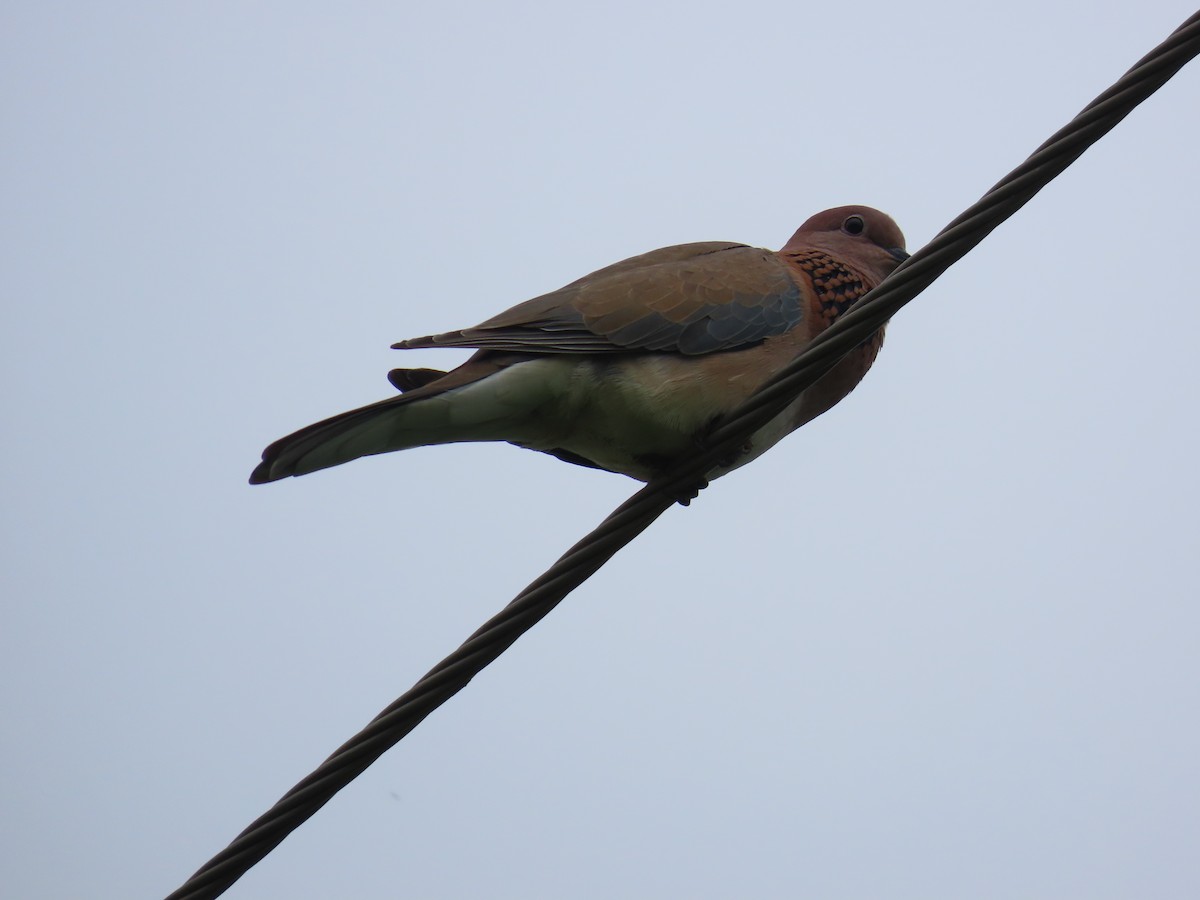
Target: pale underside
{"points": [[628, 414]]}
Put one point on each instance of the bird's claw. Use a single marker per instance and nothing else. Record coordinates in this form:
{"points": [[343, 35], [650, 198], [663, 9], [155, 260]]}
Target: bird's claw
{"points": [[685, 496]]}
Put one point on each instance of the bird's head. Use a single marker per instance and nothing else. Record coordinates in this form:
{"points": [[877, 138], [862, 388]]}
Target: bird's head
{"points": [[863, 237]]}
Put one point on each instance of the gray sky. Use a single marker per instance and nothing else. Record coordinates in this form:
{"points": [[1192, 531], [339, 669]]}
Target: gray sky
{"points": [[940, 643]]}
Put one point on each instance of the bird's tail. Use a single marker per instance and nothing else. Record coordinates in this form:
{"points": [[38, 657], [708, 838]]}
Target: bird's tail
{"points": [[460, 406], [333, 441]]}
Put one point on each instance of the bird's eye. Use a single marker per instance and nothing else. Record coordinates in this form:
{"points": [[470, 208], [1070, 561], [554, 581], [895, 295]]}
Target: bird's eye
{"points": [[854, 225]]}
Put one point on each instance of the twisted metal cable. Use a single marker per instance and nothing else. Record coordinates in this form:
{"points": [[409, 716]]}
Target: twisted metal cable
{"points": [[637, 513]]}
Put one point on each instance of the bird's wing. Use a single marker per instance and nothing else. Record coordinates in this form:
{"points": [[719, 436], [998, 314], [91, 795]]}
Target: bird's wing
{"points": [[690, 299]]}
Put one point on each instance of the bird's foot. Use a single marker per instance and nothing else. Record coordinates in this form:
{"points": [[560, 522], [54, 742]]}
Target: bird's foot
{"points": [[685, 495]]}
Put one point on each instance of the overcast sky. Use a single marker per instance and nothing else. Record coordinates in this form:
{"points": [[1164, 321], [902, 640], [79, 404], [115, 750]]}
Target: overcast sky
{"points": [[941, 643]]}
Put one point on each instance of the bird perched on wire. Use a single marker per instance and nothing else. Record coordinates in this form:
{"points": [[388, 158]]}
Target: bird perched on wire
{"points": [[627, 367]]}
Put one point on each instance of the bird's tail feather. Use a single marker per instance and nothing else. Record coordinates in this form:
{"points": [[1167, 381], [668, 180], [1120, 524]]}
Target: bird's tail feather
{"points": [[339, 439], [462, 406]]}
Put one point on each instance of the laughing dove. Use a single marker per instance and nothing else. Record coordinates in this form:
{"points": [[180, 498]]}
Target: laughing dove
{"points": [[625, 368]]}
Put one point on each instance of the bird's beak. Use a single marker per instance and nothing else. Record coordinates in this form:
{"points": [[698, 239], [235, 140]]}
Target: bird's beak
{"points": [[898, 253]]}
